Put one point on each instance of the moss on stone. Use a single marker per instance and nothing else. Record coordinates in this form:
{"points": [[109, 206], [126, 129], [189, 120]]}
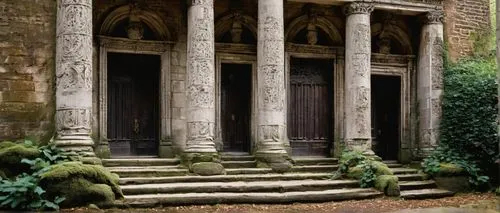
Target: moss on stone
{"points": [[79, 192], [381, 168], [3, 175], [76, 170], [11, 155], [188, 159], [449, 169], [355, 172], [388, 184]]}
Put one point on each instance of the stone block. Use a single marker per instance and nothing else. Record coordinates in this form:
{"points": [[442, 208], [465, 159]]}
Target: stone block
{"points": [[454, 184], [207, 168]]}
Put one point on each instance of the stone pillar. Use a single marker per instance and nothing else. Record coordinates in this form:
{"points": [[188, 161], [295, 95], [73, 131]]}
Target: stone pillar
{"points": [[430, 81], [74, 78], [200, 83], [270, 148], [357, 121]]}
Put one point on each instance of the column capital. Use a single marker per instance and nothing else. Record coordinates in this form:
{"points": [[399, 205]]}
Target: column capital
{"points": [[358, 8], [199, 2], [433, 17]]}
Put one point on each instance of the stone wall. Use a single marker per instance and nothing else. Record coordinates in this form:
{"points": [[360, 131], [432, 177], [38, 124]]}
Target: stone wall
{"points": [[462, 19], [27, 51]]}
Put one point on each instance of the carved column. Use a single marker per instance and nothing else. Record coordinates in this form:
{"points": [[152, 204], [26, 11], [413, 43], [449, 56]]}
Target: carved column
{"points": [[74, 77], [200, 76], [430, 80], [270, 147], [357, 121]]}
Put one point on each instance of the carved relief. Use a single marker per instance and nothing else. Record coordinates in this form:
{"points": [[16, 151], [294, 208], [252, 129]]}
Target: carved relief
{"points": [[433, 17], [358, 8], [271, 133], [437, 63], [361, 65], [73, 121], [200, 131], [362, 38], [75, 75], [361, 106]]}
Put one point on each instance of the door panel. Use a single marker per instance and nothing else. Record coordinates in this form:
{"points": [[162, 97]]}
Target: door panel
{"points": [[310, 111], [133, 93], [236, 106]]}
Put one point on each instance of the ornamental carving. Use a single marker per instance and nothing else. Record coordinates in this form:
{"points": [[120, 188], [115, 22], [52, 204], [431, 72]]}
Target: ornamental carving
{"points": [[361, 65], [202, 2], [200, 131], [437, 63], [433, 17], [73, 121], [358, 8], [362, 39], [271, 133], [75, 75]]}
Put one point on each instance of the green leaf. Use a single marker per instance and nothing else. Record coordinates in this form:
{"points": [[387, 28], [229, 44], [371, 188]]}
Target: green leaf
{"points": [[39, 191]]}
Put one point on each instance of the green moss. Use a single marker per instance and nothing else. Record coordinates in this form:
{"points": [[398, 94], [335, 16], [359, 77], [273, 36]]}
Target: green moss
{"points": [[388, 184], [79, 192], [11, 155], [3, 175], [71, 170], [449, 169], [355, 172], [382, 168]]}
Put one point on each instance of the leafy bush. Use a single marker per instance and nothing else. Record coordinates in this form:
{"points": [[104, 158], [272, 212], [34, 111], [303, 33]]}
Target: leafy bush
{"points": [[366, 169], [468, 132], [24, 191]]}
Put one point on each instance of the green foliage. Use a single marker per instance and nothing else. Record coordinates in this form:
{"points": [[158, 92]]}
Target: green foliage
{"points": [[468, 131], [366, 169], [24, 191], [11, 155], [444, 162]]}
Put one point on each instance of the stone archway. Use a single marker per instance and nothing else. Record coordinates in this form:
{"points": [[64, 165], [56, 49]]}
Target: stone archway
{"points": [[302, 22], [394, 33]]}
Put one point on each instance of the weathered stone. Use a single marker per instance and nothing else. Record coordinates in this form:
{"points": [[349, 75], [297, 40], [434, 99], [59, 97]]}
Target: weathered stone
{"points": [[271, 130], [357, 107], [200, 78], [459, 183], [207, 168]]}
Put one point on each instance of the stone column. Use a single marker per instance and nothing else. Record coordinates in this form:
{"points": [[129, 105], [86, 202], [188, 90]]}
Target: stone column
{"points": [[74, 78], [270, 147], [430, 80], [200, 83], [357, 121]]}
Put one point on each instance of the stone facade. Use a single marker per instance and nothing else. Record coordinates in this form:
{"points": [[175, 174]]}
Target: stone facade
{"points": [[68, 97]]}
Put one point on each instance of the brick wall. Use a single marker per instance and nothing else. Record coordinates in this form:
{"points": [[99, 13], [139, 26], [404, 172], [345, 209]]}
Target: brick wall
{"points": [[27, 47], [463, 17]]}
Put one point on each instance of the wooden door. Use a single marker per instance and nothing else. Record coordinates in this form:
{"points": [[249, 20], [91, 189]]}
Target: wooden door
{"points": [[310, 111], [236, 106], [133, 94]]}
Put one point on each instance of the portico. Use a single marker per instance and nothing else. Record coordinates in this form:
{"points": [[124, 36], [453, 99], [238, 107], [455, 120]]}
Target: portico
{"points": [[309, 69]]}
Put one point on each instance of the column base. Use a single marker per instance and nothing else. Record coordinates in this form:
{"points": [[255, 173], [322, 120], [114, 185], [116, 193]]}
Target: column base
{"points": [[102, 150], [79, 148], [198, 146], [274, 156], [166, 149]]}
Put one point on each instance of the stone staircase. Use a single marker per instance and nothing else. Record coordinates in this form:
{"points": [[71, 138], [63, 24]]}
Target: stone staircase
{"points": [[148, 182]]}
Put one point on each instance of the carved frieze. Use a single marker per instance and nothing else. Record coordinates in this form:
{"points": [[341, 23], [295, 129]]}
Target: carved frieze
{"points": [[73, 121], [133, 45], [271, 133], [200, 131], [437, 63], [358, 8]]}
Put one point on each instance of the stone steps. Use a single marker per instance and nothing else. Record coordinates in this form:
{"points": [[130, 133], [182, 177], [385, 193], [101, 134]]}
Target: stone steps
{"points": [[225, 178], [156, 171], [151, 200], [306, 161], [410, 177], [414, 185], [239, 164], [239, 186], [239, 171], [315, 168], [425, 193], [140, 162], [400, 170]]}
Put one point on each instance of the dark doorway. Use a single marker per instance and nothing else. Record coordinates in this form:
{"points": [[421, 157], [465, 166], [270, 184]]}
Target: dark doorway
{"points": [[310, 109], [236, 106], [133, 104], [386, 103]]}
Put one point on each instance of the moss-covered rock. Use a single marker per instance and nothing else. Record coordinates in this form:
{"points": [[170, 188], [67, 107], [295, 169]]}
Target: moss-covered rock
{"points": [[88, 183], [207, 168], [381, 168], [449, 169], [11, 155], [355, 172], [388, 184], [2, 174]]}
